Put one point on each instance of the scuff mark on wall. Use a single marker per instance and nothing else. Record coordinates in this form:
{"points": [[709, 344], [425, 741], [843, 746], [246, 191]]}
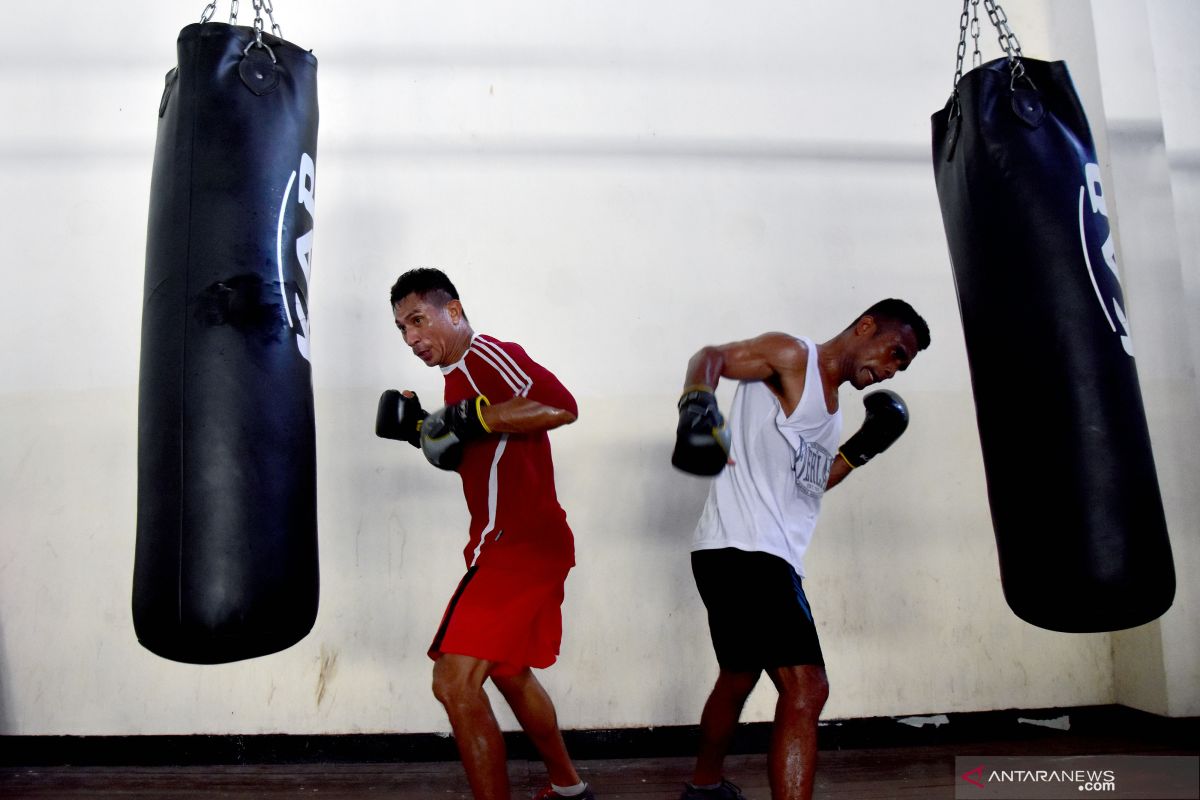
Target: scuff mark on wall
{"points": [[326, 673]]}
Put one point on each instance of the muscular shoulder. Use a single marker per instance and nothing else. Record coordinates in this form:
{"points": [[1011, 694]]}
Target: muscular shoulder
{"points": [[767, 357], [788, 360], [785, 352]]}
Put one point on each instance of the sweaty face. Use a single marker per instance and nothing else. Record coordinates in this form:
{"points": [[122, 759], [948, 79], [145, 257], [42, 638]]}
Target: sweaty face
{"points": [[889, 350], [432, 331]]}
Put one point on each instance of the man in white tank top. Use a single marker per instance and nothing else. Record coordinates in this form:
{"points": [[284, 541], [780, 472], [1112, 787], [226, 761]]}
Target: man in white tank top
{"points": [[773, 463]]}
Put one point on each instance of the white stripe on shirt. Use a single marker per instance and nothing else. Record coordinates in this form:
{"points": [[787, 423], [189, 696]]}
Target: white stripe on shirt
{"points": [[504, 364]]}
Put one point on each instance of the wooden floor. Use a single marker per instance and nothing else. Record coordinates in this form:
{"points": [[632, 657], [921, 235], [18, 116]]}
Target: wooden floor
{"points": [[889, 773]]}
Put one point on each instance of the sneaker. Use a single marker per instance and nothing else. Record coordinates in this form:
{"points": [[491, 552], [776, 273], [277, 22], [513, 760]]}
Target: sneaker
{"points": [[549, 794], [726, 791]]}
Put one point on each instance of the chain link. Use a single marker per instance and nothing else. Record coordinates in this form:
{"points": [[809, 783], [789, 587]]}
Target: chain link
{"points": [[259, 7], [1008, 40], [1009, 43], [275, 29], [976, 56], [258, 30], [962, 43]]}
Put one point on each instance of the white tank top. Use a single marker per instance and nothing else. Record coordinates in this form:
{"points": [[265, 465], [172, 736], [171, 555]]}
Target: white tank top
{"points": [[769, 499]]}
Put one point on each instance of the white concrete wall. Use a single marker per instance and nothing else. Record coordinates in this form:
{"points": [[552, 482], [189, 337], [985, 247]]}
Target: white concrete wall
{"points": [[1148, 66], [613, 185]]}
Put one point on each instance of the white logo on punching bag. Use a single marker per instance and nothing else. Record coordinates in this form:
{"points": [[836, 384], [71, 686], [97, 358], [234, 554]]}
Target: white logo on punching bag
{"points": [[306, 199], [1111, 281]]}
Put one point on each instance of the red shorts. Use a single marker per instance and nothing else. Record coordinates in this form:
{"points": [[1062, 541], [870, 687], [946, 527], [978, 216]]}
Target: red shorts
{"points": [[510, 618]]}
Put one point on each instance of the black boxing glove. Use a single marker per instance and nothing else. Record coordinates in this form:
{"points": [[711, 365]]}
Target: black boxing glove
{"points": [[444, 432], [701, 441], [886, 419], [399, 417]]}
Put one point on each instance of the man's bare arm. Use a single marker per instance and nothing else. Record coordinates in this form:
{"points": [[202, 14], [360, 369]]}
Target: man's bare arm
{"points": [[777, 358], [522, 415]]}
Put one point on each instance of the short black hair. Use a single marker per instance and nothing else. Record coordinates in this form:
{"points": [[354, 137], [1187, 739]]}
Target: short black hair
{"points": [[902, 313], [423, 281]]}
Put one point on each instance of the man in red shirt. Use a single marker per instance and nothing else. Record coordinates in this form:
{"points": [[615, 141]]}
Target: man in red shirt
{"points": [[505, 617]]}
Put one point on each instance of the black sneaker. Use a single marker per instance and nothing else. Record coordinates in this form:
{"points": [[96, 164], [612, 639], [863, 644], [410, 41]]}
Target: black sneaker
{"points": [[726, 791]]}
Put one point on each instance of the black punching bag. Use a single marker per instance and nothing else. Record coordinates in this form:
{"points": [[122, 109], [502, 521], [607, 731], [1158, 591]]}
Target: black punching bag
{"points": [[226, 559], [1075, 502]]}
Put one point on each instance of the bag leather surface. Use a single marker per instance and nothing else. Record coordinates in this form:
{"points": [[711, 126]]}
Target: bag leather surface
{"points": [[1075, 502], [226, 558]]}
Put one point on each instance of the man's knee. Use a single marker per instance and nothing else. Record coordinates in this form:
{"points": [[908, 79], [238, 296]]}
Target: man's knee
{"points": [[804, 688], [445, 687], [458, 679]]}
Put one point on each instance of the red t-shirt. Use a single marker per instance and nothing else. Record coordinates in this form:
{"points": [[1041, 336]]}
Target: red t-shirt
{"points": [[508, 479]]}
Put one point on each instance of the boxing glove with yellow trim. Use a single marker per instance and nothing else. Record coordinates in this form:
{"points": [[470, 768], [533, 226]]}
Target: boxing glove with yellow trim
{"points": [[887, 417], [701, 441], [445, 431]]}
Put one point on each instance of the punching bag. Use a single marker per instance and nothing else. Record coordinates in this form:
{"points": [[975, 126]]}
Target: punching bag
{"points": [[1074, 497], [226, 559]]}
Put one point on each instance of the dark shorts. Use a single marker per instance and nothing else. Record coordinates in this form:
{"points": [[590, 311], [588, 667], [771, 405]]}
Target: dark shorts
{"points": [[758, 615]]}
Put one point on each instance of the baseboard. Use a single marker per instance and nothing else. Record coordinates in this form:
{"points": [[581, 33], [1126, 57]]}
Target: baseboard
{"points": [[677, 740]]}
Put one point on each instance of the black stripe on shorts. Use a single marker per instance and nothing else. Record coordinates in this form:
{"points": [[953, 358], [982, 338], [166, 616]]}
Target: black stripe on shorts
{"points": [[458, 593]]}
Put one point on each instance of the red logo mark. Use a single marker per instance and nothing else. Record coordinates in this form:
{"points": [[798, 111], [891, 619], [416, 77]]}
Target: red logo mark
{"points": [[978, 772]]}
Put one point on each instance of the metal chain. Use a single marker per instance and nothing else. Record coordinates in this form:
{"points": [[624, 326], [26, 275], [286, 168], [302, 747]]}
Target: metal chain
{"points": [[265, 5], [275, 29], [976, 56], [259, 7], [969, 20], [1008, 40], [962, 43]]}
